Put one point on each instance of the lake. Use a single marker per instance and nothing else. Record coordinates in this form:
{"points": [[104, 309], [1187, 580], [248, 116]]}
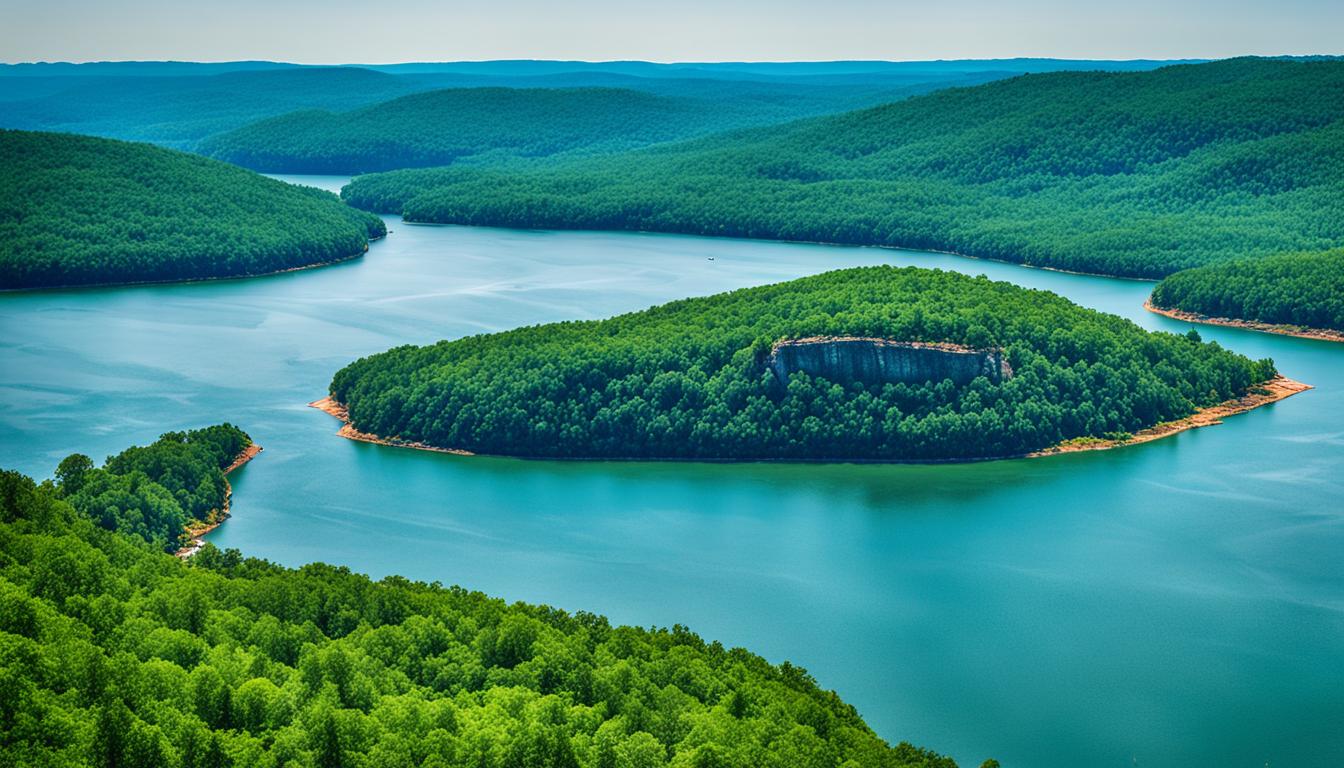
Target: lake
{"points": [[1176, 603]]}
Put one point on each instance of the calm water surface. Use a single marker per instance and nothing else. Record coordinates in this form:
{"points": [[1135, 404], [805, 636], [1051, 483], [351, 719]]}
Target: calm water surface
{"points": [[1179, 603]]}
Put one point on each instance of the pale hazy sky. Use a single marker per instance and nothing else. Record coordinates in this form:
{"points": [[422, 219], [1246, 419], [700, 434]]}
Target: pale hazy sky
{"points": [[339, 31]]}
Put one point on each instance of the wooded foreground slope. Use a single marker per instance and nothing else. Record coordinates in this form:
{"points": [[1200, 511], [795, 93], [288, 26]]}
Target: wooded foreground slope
{"points": [[76, 210], [1134, 174], [114, 654], [689, 379]]}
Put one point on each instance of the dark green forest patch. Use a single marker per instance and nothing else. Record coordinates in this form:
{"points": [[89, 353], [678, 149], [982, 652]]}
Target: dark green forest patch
{"points": [[691, 379], [1132, 174], [76, 210]]}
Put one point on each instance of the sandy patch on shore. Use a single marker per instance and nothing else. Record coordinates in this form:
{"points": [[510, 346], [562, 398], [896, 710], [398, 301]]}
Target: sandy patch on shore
{"points": [[1271, 391], [348, 431]]}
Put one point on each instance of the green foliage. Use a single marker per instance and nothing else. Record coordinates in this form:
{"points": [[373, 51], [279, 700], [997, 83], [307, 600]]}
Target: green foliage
{"points": [[76, 210], [112, 654], [688, 380], [479, 125], [154, 491], [1134, 174], [1294, 289]]}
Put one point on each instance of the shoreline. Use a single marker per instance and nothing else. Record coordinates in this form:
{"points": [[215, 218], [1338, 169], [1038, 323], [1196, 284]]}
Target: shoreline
{"points": [[1298, 331], [332, 407], [197, 532], [1278, 388], [191, 280]]}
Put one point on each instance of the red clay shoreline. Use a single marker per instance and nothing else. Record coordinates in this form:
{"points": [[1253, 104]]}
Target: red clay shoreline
{"points": [[1272, 391], [1301, 332], [198, 531]]}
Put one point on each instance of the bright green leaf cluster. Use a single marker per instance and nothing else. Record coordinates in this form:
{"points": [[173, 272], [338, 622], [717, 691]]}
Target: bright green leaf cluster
{"points": [[112, 654], [154, 491]]}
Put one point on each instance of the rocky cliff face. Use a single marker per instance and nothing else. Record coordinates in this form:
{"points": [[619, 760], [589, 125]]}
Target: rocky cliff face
{"points": [[883, 360]]}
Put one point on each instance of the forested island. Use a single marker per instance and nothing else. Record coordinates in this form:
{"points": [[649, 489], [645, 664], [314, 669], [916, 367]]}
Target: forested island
{"points": [[1294, 294], [76, 210], [113, 653], [1132, 174], [874, 363]]}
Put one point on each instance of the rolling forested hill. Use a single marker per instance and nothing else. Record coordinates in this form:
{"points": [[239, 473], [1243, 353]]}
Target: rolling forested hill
{"points": [[1136, 174], [1290, 289], [76, 210], [693, 379], [177, 104], [446, 126], [179, 110], [115, 654], [543, 116]]}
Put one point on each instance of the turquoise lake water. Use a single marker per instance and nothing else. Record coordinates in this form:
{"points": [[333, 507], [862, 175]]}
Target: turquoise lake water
{"points": [[1178, 603]]}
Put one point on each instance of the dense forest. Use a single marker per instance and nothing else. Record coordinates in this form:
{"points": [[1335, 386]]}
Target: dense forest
{"points": [[1304, 290], [1135, 174], [688, 379], [76, 210], [177, 104], [442, 127], [484, 125], [154, 491], [114, 654]]}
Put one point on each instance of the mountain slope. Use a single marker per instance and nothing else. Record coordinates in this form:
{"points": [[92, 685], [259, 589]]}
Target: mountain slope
{"points": [[180, 110], [1135, 174], [483, 124], [441, 127]]}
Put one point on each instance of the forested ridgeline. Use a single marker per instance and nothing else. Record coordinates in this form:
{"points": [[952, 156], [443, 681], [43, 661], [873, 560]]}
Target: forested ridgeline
{"points": [[177, 104], [179, 110], [1305, 290], [155, 491], [1134, 174], [690, 379], [442, 127], [482, 125], [76, 210], [115, 654]]}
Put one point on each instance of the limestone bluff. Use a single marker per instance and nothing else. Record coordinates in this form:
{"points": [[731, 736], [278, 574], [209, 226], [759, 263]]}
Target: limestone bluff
{"points": [[874, 360]]}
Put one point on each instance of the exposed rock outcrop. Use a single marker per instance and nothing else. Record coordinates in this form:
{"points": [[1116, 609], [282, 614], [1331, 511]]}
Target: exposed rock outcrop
{"points": [[849, 358]]}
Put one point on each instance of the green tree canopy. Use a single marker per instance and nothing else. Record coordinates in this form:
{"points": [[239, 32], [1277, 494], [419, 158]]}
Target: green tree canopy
{"points": [[689, 379], [76, 210]]}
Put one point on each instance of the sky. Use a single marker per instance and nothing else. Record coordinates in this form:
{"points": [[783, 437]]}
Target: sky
{"points": [[344, 31]]}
